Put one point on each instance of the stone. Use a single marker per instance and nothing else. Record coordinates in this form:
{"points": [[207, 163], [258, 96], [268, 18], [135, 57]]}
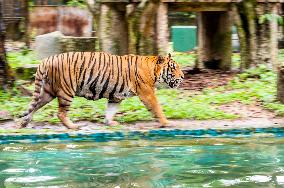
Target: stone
{"points": [[5, 115], [48, 44]]}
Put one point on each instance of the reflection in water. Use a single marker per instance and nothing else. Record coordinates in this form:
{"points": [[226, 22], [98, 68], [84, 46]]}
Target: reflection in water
{"points": [[202, 162]]}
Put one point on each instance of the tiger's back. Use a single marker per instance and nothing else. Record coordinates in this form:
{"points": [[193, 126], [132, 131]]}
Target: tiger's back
{"points": [[94, 75]]}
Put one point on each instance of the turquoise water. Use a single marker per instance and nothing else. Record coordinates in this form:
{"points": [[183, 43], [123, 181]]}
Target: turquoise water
{"points": [[172, 162]]}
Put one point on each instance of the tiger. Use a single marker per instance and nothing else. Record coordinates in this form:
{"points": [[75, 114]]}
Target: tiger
{"points": [[96, 75]]}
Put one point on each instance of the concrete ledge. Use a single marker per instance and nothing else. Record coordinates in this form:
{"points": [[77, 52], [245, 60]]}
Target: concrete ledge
{"points": [[10, 127], [144, 135]]}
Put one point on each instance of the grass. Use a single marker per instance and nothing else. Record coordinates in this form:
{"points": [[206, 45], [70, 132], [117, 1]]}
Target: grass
{"points": [[184, 59], [176, 104], [254, 85], [188, 59], [22, 58]]}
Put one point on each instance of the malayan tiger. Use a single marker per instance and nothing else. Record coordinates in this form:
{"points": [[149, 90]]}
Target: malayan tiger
{"points": [[96, 75]]}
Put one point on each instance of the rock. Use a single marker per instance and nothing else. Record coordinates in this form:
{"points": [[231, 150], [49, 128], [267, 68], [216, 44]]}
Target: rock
{"points": [[54, 43], [5, 115], [48, 44]]}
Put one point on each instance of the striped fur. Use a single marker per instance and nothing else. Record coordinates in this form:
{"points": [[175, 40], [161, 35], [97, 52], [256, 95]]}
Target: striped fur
{"points": [[96, 75]]}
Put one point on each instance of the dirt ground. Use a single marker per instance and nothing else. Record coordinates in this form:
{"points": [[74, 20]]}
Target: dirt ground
{"points": [[253, 116], [199, 79]]}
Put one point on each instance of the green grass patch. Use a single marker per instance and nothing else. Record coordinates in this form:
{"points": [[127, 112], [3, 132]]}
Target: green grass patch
{"points": [[257, 84], [236, 60], [188, 59], [184, 59], [177, 104], [22, 58]]}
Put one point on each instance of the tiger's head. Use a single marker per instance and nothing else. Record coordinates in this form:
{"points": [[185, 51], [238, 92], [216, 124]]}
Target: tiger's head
{"points": [[169, 71]]}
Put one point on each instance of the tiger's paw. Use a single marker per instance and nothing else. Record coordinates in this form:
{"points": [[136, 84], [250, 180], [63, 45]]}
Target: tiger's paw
{"points": [[23, 122], [72, 126], [111, 123], [165, 124]]}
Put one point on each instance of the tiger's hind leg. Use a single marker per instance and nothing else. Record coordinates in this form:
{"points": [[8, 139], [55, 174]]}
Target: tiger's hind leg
{"points": [[64, 105], [111, 110], [37, 103]]}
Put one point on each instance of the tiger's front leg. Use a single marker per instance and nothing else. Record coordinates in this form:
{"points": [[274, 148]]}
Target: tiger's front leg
{"points": [[150, 100]]}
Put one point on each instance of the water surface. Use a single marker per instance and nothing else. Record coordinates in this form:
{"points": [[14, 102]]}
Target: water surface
{"points": [[172, 162]]}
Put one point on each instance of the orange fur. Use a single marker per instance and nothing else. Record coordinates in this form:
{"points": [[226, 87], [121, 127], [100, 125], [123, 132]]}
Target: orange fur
{"points": [[96, 75]]}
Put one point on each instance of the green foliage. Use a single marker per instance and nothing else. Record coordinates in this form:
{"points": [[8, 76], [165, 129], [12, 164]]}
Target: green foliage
{"points": [[176, 104], [188, 59], [270, 17], [236, 60], [184, 59], [77, 3], [260, 85], [22, 58]]}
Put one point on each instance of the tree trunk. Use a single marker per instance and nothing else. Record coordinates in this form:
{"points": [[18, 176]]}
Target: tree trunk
{"points": [[258, 41], [268, 35], [142, 27], [6, 79], [113, 31], [94, 8], [280, 84], [27, 20], [245, 19], [214, 39], [162, 29]]}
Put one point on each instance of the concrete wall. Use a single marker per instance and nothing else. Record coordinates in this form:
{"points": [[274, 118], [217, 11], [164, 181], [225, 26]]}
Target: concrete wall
{"points": [[71, 21]]}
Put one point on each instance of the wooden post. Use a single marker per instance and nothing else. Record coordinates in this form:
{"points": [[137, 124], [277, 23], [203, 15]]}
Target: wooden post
{"points": [[6, 78], [113, 31], [27, 20], [267, 34], [162, 28], [142, 22], [280, 84], [245, 21], [274, 36], [214, 39]]}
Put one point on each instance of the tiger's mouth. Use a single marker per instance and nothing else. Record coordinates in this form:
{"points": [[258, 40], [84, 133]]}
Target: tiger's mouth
{"points": [[175, 83]]}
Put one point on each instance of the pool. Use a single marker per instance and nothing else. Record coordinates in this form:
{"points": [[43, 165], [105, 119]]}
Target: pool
{"points": [[240, 158]]}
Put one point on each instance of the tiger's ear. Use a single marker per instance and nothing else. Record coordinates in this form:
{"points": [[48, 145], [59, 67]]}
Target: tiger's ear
{"points": [[170, 55], [160, 59]]}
